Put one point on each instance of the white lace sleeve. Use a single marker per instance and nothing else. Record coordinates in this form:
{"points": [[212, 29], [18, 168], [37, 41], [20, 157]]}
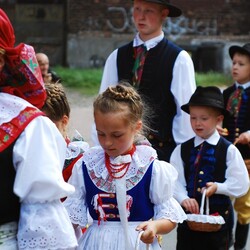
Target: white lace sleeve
{"points": [[162, 186], [45, 226], [75, 203], [38, 157]]}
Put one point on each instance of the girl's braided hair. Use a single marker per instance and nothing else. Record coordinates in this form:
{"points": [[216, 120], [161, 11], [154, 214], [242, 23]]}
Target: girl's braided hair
{"points": [[123, 98], [56, 104]]}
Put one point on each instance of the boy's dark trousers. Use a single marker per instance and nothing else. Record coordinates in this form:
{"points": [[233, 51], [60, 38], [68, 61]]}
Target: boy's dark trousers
{"points": [[241, 235], [194, 240]]}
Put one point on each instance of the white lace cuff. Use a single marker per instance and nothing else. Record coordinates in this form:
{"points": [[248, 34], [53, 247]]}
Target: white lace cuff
{"points": [[170, 210]]}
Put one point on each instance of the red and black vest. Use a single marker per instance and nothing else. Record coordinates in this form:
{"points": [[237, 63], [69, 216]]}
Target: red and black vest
{"points": [[9, 133], [241, 124]]}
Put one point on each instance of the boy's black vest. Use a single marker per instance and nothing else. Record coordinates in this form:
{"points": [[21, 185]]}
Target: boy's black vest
{"points": [[242, 124], [210, 170], [9, 211], [155, 83]]}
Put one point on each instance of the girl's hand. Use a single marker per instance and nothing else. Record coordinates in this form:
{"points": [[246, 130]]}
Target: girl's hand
{"points": [[211, 188], [191, 205], [149, 234], [153, 227]]}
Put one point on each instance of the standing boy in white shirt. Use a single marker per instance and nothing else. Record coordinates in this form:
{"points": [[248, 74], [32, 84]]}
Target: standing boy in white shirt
{"points": [[165, 77]]}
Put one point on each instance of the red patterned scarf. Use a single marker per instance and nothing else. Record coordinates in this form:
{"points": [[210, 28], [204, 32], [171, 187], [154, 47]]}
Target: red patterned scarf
{"points": [[21, 75]]}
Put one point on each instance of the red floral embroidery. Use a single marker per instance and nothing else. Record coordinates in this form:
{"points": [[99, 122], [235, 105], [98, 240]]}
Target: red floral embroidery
{"points": [[10, 131]]}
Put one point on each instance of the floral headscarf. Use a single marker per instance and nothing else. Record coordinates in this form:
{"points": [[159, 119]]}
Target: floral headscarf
{"points": [[21, 75]]}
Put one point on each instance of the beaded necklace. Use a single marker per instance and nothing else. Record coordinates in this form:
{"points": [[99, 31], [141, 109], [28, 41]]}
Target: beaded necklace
{"points": [[114, 169]]}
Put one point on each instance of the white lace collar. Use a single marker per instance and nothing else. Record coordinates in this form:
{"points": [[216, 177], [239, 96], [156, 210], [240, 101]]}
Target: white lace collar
{"points": [[94, 160]]}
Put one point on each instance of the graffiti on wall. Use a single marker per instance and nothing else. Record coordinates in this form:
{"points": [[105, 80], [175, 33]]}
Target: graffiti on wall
{"points": [[174, 28]]}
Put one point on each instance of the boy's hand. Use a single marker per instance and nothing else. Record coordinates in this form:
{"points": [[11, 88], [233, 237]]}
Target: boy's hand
{"points": [[244, 138], [191, 205], [222, 131], [211, 188]]}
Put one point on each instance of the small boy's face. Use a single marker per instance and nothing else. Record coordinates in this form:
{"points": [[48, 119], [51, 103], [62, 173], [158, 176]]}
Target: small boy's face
{"points": [[241, 68], [204, 120]]}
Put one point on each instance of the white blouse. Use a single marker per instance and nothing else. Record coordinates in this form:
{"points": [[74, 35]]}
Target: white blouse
{"points": [[38, 158]]}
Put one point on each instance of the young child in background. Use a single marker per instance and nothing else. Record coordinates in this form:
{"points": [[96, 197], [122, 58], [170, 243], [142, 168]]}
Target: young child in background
{"points": [[57, 108], [237, 101], [123, 185], [207, 161]]}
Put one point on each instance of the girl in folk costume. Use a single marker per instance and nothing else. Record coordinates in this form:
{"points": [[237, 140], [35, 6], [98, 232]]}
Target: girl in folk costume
{"points": [[31, 182], [57, 108], [123, 185]]}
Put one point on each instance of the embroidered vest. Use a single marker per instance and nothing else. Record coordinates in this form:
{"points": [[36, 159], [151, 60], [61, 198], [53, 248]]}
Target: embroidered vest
{"points": [[242, 123], [155, 83], [137, 197], [212, 168], [9, 132]]}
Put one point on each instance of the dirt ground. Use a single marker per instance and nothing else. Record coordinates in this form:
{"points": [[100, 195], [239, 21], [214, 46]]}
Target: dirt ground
{"points": [[81, 115]]}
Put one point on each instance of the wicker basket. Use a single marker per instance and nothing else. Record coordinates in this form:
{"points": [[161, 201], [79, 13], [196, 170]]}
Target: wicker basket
{"points": [[204, 222]]}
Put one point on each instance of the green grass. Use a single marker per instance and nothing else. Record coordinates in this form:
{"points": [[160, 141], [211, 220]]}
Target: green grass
{"points": [[87, 81], [213, 79]]}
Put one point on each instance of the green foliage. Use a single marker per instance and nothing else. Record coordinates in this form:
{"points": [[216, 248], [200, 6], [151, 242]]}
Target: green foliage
{"points": [[87, 81], [213, 79]]}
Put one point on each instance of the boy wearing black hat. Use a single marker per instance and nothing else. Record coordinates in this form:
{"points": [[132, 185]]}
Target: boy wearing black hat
{"points": [[207, 161], [237, 101], [161, 71]]}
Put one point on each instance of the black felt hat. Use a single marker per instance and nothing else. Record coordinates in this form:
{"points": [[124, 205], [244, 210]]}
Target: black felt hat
{"points": [[173, 10], [245, 49], [207, 96]]}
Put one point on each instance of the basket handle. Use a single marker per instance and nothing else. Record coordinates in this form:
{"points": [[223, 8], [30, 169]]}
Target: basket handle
{"points": [[202, 203], [138, 240]]}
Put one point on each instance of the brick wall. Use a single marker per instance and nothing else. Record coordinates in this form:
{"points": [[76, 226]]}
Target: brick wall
{"points": [[219, 17], [82, 33]]}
